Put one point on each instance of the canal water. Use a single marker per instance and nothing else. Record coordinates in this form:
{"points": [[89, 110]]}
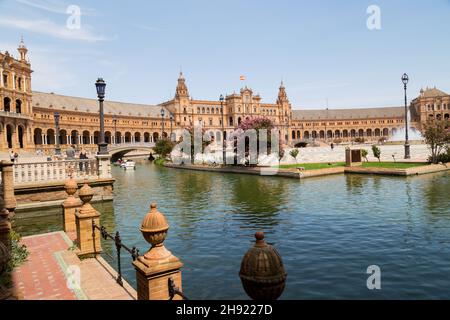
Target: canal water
{"points": [[327, 230]]}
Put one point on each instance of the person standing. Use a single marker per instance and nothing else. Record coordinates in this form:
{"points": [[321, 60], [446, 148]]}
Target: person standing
{"points": [[11, 156], [83, 156], [70, 153], [16, 157]]}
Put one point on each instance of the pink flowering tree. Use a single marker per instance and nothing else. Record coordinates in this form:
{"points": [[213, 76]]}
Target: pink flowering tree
{"points": [[255, 124]]}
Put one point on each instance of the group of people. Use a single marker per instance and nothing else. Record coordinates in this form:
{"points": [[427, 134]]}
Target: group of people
{"points": [[14, 156]]}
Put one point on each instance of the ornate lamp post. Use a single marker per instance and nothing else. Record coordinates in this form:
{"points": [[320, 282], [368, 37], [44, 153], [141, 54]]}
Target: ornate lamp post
{"points": [[171, 121], [100, 85], [115, 128], [57, 146], [405, 80], [223, 131], [162, 122]]}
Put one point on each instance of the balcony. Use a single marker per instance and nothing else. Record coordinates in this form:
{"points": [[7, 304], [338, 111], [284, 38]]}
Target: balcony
{"points": [[15, 115]]}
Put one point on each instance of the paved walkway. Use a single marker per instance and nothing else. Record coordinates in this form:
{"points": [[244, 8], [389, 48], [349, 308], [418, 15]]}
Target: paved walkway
{"points": [[53, 271]]}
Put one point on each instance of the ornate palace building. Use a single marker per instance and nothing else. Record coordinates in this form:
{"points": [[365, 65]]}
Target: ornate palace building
{"points": [[27, 119]]}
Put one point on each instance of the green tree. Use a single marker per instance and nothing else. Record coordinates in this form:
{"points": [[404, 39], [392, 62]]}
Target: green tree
{"points": [[163, 147], [364, 154], [376, 152], [437, 137], [294, 153]]}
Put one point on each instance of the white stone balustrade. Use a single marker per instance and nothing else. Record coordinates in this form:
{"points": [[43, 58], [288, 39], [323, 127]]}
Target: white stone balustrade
{"points": [[38, 172]]}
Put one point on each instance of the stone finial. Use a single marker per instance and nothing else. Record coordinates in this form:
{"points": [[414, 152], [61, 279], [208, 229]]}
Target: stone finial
{"points": [[154, 228], [71, 187], [158, 266], [262, 272], [86, 193]]}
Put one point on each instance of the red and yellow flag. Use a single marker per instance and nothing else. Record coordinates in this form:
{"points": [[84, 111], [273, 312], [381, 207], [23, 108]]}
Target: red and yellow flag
{"points": [[242, 78]]}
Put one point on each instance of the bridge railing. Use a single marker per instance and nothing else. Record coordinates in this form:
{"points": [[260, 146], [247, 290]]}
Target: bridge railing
{"points": [[131, 144], [55, 171]]}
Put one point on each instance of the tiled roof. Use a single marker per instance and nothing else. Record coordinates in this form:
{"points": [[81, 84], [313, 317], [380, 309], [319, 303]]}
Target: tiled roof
{"points": [[60, 102], [348, 114], [433, 92]]}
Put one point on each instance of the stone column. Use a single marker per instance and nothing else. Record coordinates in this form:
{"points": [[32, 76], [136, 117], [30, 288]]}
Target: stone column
{"points": [[1, 77], [13, 78], [70, 205], [8, 186], [88, 239], [5, 225], [104, 166], [158, 265]]}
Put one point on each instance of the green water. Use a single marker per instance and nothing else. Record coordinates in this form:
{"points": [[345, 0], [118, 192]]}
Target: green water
{"points": [[327, 230]]}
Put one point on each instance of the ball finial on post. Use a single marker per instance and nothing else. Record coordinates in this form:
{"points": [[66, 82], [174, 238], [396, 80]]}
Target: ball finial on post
{"points": [[262, 272]]}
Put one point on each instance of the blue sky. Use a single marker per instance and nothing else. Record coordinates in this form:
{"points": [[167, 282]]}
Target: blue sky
{"points": [[322, 50]]}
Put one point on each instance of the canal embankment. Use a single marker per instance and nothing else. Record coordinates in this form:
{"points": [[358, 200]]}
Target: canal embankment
{"points": [[300, 173], [48, 194]]}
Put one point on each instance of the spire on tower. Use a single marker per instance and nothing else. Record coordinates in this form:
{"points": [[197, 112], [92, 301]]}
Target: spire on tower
{"points": [[282, 96], [182, 90], [22, 50]]}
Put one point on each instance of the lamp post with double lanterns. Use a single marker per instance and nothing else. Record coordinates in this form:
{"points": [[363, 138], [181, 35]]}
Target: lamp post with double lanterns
{"points": [[101, 85], [223, 131], [405, 80], [57, 146], [162, 122]]}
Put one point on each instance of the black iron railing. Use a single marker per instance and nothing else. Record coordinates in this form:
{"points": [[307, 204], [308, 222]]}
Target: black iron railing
{"points": [[175, 291], [134, 252]]}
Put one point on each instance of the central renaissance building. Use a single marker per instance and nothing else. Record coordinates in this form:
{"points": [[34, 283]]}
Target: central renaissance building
{"points": [[27, 117]]}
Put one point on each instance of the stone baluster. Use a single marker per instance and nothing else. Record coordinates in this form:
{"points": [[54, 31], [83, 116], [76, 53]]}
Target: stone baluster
{"points": [[8, 186], [104, 166], [70, 205], [88, 239], [158, 265]]}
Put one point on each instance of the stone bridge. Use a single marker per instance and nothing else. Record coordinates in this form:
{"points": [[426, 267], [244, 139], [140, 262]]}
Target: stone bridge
{"points": [[119, 150]]}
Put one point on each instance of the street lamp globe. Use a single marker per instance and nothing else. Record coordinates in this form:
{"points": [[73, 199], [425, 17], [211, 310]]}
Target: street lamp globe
{"points": [[100, 85], [162, 112], [405, 79]]}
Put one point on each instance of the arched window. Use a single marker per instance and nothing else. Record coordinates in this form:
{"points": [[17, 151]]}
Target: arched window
{"points": [[7, 104], [5, 80], [18, 106]]}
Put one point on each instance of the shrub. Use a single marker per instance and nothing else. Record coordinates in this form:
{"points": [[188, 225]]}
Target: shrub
{"points": [[163, 147], [376, 152], [19, 254], [294, 153], [364, 154], [337, 141], [382, 140], [359, 140], [159, 161], [437, 137], [443, 157]]}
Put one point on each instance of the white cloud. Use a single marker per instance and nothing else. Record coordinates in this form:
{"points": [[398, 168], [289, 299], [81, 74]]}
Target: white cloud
{"points": [[50, 28], [53, 6]]}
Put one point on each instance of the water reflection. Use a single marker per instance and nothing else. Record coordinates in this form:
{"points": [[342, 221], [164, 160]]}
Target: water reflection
{"points": [[257, 201]]}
